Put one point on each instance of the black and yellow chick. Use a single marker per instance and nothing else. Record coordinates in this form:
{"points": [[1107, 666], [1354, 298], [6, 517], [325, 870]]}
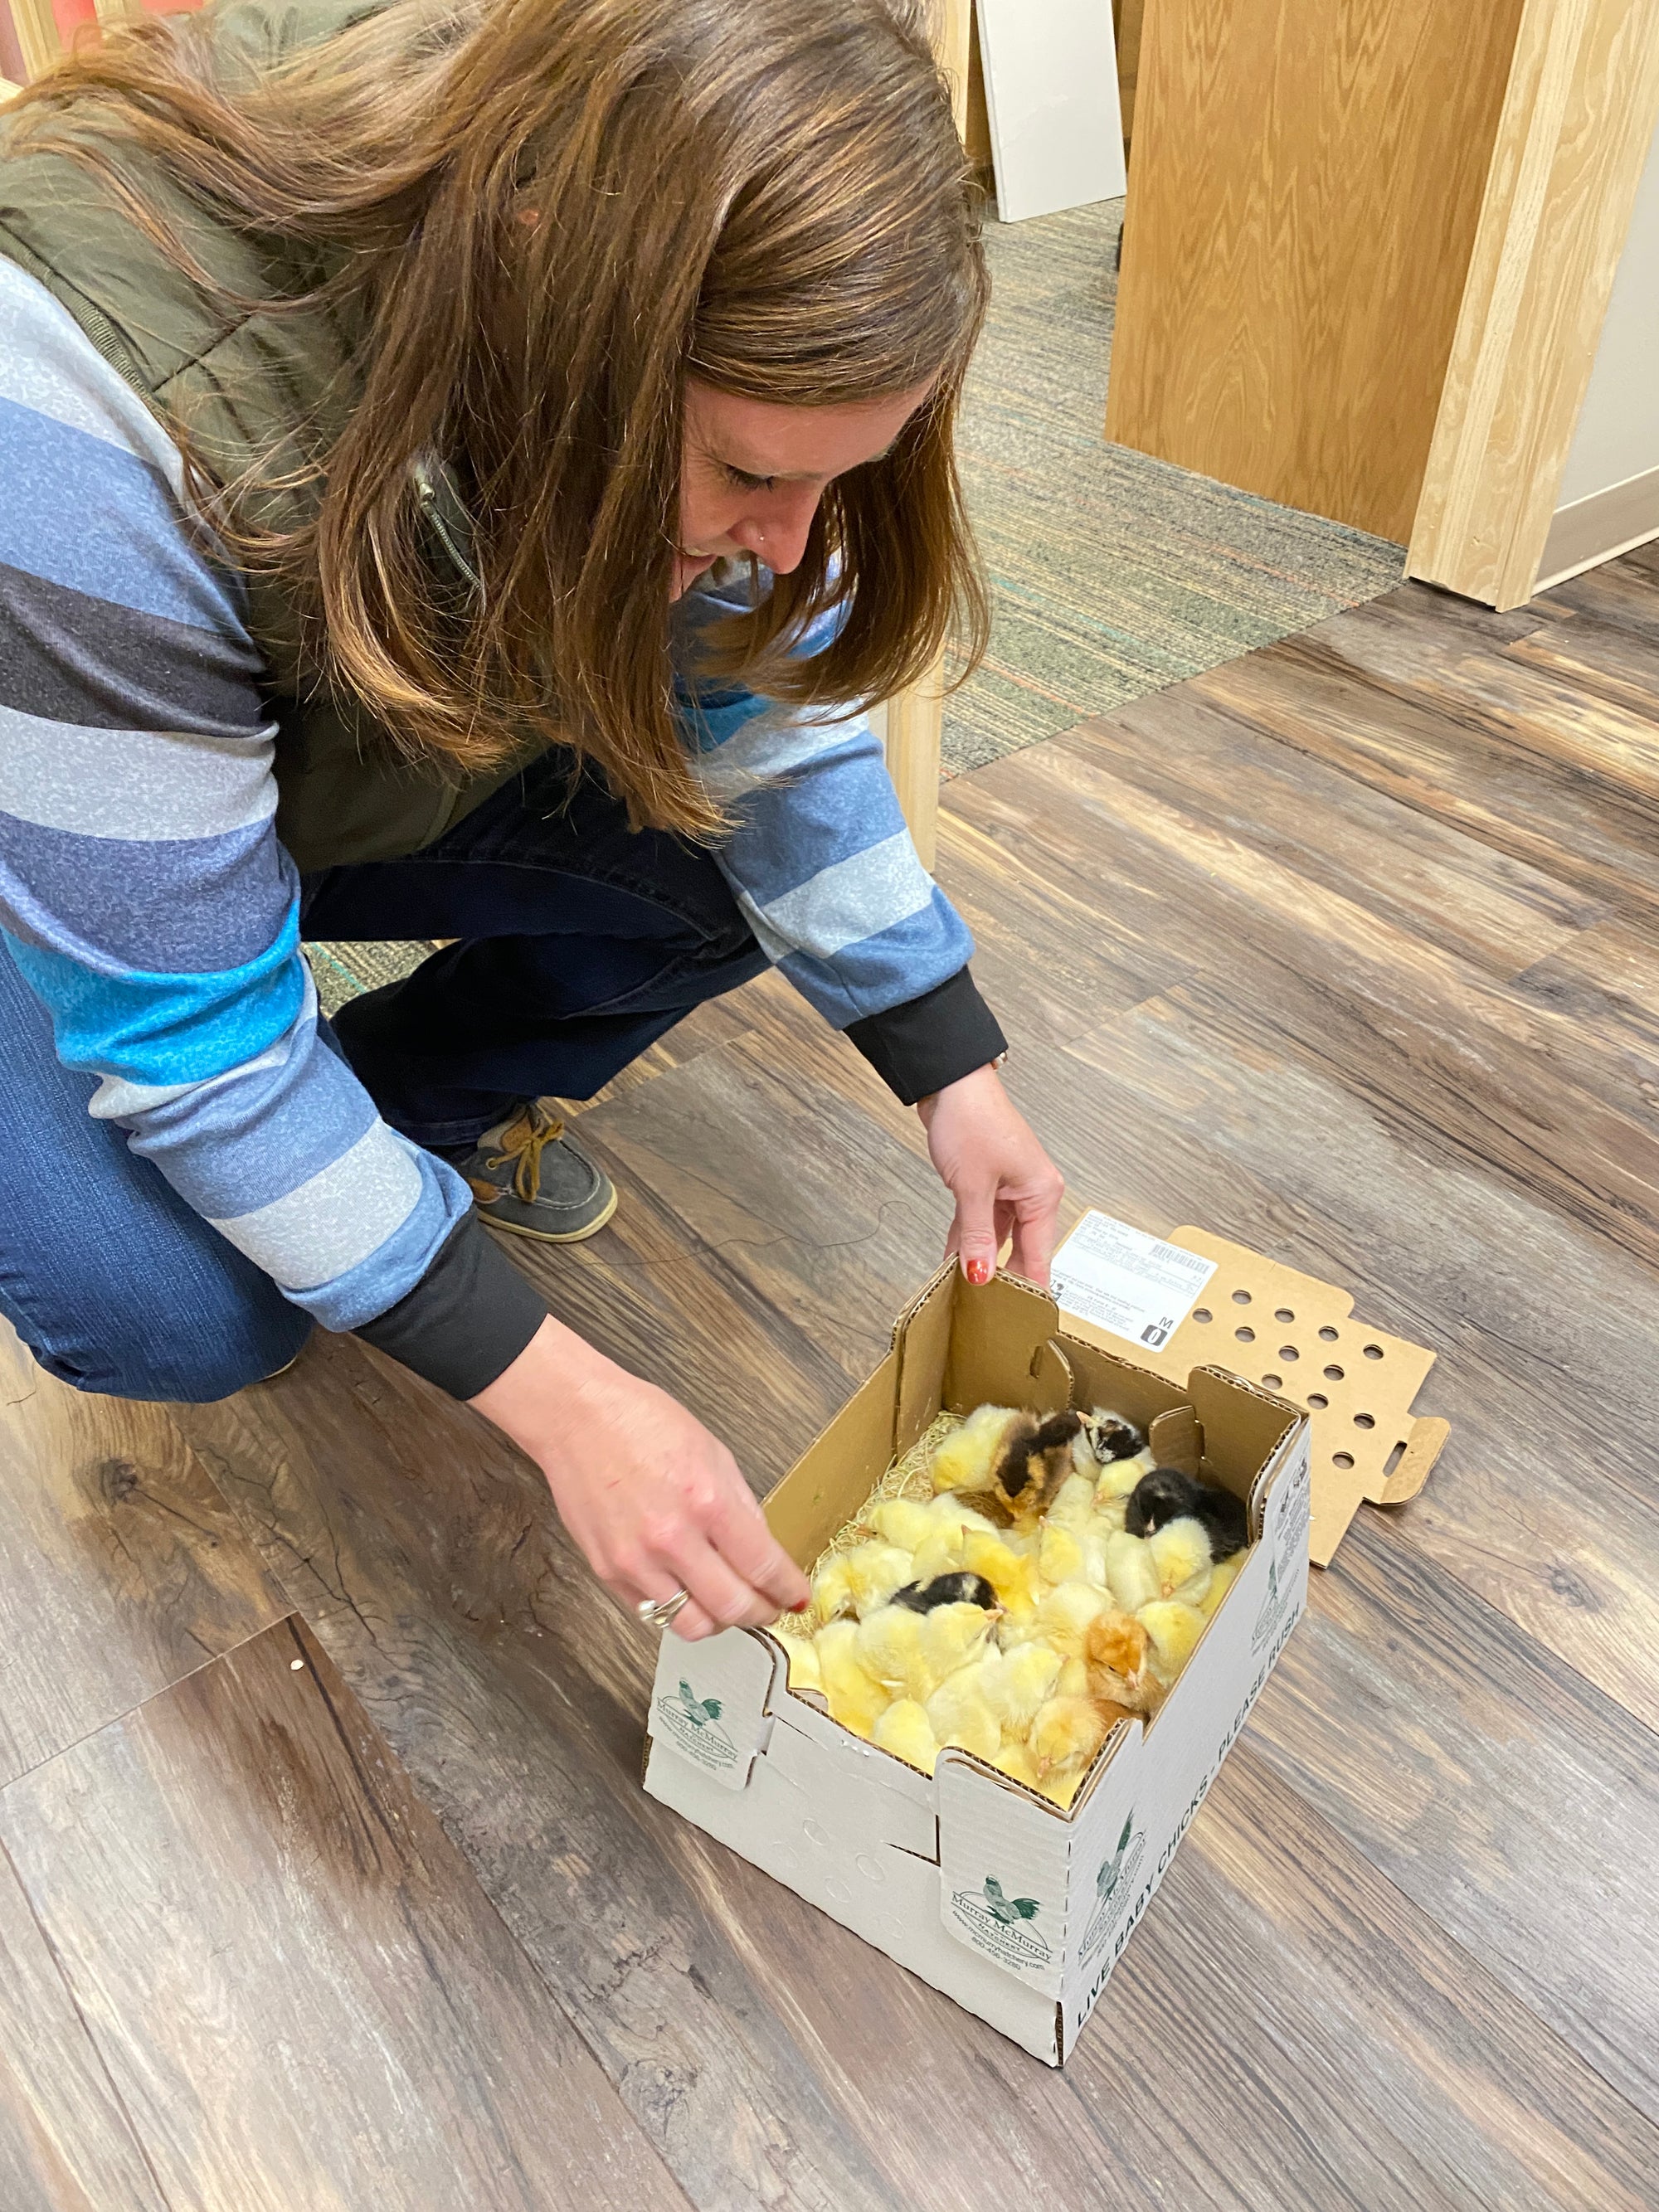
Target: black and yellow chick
{"points": [[947, 1589], [1166, 1495], [1033, 1463]]}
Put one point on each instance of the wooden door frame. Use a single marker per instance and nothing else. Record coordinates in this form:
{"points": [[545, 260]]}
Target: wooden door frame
{"points": [[911, 724], [1578, 118]]}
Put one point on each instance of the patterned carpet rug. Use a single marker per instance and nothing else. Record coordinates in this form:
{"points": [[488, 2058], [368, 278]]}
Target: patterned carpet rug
{"points": [[1112, 574]]}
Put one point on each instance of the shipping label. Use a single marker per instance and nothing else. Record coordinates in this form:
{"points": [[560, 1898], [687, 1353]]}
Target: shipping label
{"points": [[1132, 1286]]}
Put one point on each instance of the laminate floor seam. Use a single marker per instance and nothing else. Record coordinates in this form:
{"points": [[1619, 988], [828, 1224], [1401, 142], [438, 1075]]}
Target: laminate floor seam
{"points": [[1521, 843], [1435, 1139], [92, 2042], [162, 1690]]}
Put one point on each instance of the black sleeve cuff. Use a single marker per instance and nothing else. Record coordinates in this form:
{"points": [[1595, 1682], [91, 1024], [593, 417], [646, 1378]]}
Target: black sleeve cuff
{"points": [[920, 1047], [468, 1318]]}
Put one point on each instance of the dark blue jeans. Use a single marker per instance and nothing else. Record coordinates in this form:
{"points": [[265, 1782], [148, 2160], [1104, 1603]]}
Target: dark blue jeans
{"points": [[581, 942]]}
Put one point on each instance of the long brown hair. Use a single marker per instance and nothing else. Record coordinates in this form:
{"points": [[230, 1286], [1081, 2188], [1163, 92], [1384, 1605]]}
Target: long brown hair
{"points": [[770, 197]]}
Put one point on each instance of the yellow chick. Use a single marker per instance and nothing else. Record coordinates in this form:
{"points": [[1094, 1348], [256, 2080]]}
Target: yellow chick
{"points": [[963, 1459], [1181, 1555], [902, 1521], [1024, 1679], [803, 1670], [1108, 1516], [856, 1699], [947, 1510], [939, 1553], [957, 1713], [1073, 1502], [1066, 1736], [1223, 1575], [831, 1594], [1015, 1760], [1060, 1556], [1092, 1544], [1063, 1616], [1130, 1575], [1014, 1576], [1073, 1679], [951, 1635], [904, 1730], [889, 1646], [1174, 1628], [874, 1571], [1118, 1477]]}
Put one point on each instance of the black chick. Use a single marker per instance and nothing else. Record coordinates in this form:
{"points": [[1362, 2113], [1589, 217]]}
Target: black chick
{"points": [[1166, 1495], [946, 1589], [1035, 1462]]}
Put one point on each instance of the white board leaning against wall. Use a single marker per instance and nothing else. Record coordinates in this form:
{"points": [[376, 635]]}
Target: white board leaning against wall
{"points": [[1608, 497], [1051, 95]]}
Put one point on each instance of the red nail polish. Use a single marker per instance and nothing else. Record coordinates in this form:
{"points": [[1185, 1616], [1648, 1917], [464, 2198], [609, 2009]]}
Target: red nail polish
{"points": [[802, 1606], [978, 1271]]}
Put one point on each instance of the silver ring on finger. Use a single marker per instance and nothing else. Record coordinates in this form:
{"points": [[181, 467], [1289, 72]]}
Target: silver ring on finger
{"points": [[659, 1613]]}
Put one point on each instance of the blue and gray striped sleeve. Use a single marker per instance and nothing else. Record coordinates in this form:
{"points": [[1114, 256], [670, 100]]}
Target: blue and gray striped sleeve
{"points": [[822, 864], [143, 894]]}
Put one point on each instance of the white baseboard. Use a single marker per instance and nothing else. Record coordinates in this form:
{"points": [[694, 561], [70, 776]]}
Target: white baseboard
{"points": [[1596, 529]]}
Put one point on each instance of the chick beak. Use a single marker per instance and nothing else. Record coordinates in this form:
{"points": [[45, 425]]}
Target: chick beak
{"points": [[1042, 1766]]}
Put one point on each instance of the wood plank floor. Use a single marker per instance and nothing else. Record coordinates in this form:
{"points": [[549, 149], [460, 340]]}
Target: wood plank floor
{"points": [[1349, 950]]}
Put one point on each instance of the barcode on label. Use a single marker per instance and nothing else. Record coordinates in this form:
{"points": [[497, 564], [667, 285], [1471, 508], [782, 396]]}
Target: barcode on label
{"points": [[1129, 1284]]}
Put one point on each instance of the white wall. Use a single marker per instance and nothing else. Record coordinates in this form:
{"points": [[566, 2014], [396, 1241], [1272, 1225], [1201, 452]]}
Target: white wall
{"points": [[1617, 432]]}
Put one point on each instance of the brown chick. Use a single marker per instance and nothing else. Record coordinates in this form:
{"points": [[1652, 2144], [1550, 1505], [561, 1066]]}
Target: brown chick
{"points": [[1116, 1647], [1032, 1464]]}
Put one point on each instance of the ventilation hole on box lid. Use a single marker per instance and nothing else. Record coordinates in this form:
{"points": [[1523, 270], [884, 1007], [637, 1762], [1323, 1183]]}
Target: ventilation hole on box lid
{"points": [[1395, 1457], [1241, 1297], [1202, 1313], [1273, 1381], [1373, 1351], [1364, 1420], [1327, 1334], [1245, 1335], [1333, 1374], [1289, 1351], [1341, 1459], [1318, 1398]]}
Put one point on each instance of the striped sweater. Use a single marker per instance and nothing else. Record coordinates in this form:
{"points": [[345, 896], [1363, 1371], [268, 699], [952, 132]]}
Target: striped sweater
{"points": [[146, 901]]}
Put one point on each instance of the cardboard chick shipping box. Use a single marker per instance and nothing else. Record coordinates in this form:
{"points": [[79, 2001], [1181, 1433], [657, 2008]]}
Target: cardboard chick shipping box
{"points": [[1017, 1910]]}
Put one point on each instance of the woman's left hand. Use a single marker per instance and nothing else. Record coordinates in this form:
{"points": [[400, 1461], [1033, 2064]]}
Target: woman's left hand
{"points": [[1003, 1182]]}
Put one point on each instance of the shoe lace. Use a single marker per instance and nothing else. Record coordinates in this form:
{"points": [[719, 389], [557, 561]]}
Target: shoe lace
{"points": [[524, 1140]]}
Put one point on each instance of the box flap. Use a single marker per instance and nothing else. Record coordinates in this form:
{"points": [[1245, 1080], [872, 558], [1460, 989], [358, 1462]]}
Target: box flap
{"points": [[1001, 1328], [710, 1701], [838, 1471], [1289, 1335], [922, 1343], [1004, 1864]]}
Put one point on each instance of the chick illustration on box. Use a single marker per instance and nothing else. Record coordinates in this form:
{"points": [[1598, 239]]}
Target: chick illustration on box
{"points": [[1017, 1585]]}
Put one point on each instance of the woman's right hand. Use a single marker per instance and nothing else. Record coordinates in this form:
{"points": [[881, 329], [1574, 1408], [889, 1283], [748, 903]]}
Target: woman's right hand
{"points": [[654, 1501]]}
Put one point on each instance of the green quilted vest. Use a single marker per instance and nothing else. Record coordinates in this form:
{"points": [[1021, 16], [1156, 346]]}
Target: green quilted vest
{"points": [[242, 382]]}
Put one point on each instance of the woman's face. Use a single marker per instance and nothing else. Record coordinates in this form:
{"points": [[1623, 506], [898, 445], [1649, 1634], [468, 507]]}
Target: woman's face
{"points": [[753, 474]]}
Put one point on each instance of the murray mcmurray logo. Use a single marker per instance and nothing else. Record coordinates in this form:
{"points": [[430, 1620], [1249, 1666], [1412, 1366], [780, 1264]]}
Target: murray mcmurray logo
{"points": [[1115, 1884], [1004, 1926], [694, 1724]]}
